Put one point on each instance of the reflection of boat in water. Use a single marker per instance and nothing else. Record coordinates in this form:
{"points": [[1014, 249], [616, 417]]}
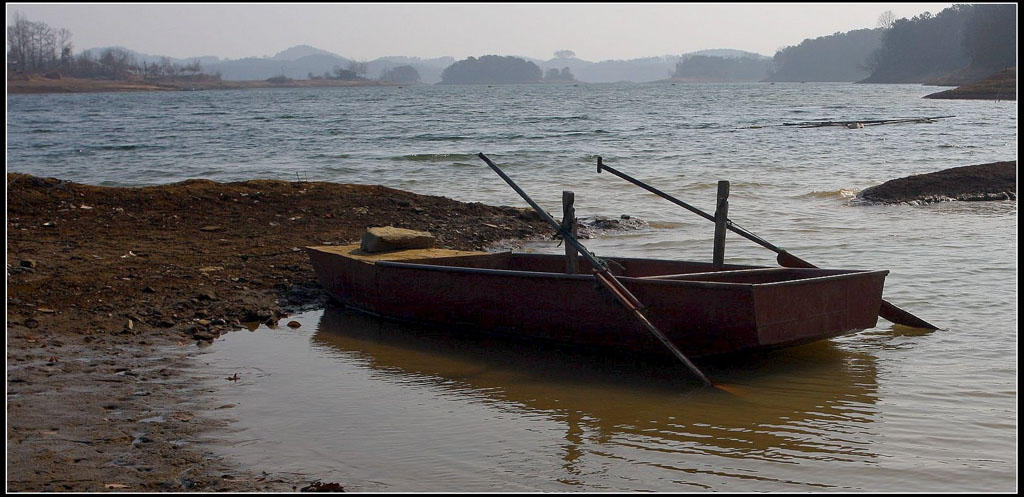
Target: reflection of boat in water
{"points": [[807, 402]]}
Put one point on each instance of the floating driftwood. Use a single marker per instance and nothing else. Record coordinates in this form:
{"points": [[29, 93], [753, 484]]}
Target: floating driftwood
{"points": [[864, 122]]}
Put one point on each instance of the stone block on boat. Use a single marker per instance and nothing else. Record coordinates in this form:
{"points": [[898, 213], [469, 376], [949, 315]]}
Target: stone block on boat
{"points": [[385, 238]]}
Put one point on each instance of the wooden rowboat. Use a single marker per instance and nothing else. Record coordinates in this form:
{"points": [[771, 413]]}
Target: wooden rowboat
{"points": [[702, 309]]}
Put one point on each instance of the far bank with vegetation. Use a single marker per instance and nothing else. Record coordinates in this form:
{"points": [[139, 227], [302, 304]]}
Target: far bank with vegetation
{"points": [[41, 59], [961, 44], [21, 84]]}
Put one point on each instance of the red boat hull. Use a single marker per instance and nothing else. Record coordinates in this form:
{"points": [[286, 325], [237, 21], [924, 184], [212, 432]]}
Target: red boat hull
{"points": [[702, 311]]}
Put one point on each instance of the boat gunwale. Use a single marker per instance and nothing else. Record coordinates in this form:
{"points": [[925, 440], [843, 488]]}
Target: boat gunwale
{"points": [[661, 280]]}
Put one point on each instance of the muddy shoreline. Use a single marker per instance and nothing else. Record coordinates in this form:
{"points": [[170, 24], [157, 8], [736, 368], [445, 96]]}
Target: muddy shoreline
{"points": [[999, 86], [112, 291], [34, 84]]}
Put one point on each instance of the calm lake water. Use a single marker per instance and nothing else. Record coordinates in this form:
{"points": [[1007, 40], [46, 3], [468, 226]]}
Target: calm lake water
{"points": [[383, 407]]}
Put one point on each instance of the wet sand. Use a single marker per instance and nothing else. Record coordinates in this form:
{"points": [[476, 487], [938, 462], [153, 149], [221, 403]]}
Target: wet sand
{"points": [[112, 291]]}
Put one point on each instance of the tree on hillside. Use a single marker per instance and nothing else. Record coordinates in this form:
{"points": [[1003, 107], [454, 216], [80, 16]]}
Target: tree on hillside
{"points": [[837, 57], [921, 49], [564, 75], [342, 74], [714, 68], [990, 36], [401, 74], [118, 64]]}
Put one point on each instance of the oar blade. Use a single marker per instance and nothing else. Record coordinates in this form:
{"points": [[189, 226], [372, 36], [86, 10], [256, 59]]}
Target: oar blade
{"points": [[787, 259], [899, 316]]}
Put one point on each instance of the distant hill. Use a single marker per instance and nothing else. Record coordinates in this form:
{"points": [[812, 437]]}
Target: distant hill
{"points": [[262, 68], [641, 70], [429, 69], [300, 51], [727, 53], [713, 68], [95, 53], [300, 61]]}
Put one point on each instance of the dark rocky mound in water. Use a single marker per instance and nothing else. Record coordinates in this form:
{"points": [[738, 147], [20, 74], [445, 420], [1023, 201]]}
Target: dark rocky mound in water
{"points": [[995, 181]]}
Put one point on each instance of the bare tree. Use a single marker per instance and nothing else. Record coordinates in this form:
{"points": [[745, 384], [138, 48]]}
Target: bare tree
{"points": [[886, 19], [118, 64], [35, 47], [66, 47], [359, 68], [193, 68], [18, 40], [345, 74]]}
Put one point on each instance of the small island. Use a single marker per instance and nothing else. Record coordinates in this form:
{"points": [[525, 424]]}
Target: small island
{"points": [[491, 70]]}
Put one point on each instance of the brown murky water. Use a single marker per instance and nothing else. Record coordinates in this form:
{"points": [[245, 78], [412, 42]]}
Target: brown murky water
{"points": [[380, 406]]}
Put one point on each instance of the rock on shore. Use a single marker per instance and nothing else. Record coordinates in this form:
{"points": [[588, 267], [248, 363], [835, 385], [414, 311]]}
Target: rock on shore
{"points": [[994, 181]]}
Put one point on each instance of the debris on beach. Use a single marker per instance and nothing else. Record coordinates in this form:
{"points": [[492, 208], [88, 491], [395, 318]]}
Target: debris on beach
{"points": [[318, 486]]}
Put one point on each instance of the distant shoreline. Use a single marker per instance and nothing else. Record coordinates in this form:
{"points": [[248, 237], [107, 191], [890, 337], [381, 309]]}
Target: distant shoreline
{"points": [[39, 84]]}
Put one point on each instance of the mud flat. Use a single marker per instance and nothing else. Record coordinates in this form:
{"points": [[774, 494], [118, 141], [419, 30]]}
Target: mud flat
{"points": [[111, 292], [994, 181]]}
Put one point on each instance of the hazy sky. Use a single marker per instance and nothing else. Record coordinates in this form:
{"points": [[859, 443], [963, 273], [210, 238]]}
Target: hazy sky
{"points": [[595, 32]]}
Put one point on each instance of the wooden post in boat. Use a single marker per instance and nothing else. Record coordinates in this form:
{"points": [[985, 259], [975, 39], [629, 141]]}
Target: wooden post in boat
{"points": [[572, 256], [785, 259], [721, 223], [604, 276]]}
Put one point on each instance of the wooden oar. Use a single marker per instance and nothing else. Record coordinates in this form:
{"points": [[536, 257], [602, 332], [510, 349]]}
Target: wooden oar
{"points": [[604, 276], [887, 310]]}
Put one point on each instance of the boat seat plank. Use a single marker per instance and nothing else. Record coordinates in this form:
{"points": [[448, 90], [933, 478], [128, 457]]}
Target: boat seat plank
{"points": [[355, 252], [747, 275]]}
